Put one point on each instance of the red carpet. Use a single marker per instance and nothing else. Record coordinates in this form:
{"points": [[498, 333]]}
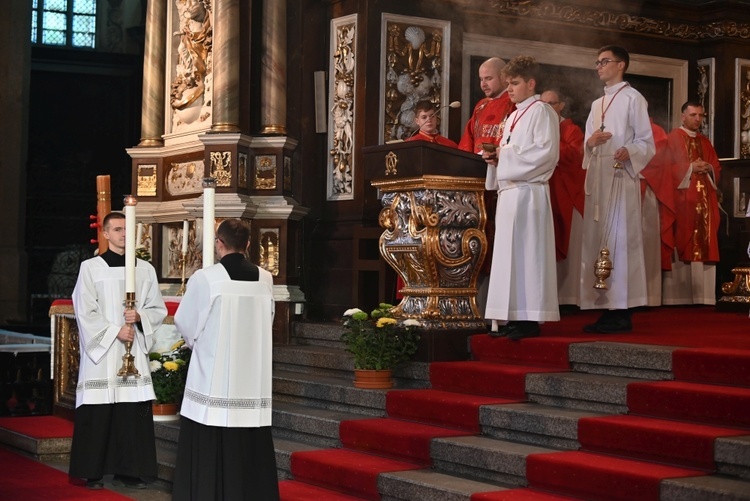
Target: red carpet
{"points": [[700, 403], [345, 471], [524, 494], [483, 378], [660, 440], [28, 480], [39, 426], [440, 408], [542, 351], [712, 365], [395, 438], [290, 490], [596, 476]]}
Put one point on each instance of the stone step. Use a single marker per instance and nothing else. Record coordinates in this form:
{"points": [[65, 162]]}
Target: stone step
{"points": [[310, 425], [589, 392], [488, 459], [42, 449], [318, 333], [535, 424], [708, 487], [430, 485], [167, 433], [284, 449], [327, 392], [732, 456], [642, 361]]}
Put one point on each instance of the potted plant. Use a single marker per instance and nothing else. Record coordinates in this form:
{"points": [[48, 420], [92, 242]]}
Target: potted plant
{"points": [[169, 374], [379, 343]]}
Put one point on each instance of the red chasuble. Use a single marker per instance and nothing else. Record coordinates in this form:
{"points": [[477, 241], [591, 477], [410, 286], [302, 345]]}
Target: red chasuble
{"points": [[697, 206], [566, 185], [433, 138], [658, 177], [486, 123]]}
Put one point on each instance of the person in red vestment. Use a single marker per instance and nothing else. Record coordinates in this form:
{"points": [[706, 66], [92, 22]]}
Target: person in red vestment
{"points": [[567, 197], [485, 127], [658, 215], [427, 119], [695, 171]]}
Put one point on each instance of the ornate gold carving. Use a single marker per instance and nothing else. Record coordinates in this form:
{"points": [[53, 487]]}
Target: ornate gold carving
{"points": [[341, 139], [268, 250], [743, 82], [265, 172], [413, 73], [221, 167], [738, 290], [391, 162], [66, 360], [242, 170], [434, 239], [573, 14], [146, 180], [185, 178]]}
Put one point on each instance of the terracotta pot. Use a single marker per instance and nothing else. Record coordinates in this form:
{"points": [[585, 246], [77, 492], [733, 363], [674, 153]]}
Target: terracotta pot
{"points": [[165, 412], [373, 379]]}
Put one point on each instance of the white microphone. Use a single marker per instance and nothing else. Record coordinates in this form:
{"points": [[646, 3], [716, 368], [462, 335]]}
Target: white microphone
{"points": [[452, 104]]}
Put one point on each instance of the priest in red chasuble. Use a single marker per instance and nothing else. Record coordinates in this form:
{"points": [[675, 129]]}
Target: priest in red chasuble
{"points": [[566, 197], [695, 170]]}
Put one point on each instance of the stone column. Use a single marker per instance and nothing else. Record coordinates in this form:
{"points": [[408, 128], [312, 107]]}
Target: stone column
{"points": [[15, 31], [226, 53], [273, 68], [154, 71]]}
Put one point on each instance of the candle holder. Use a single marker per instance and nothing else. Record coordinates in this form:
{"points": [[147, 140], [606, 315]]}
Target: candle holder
{"points": [[183, 262], [128, 366]]}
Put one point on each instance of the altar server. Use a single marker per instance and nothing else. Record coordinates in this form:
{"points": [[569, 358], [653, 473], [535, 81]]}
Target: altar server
{"points": [[114, 428], [225, 449], [523, 280]]}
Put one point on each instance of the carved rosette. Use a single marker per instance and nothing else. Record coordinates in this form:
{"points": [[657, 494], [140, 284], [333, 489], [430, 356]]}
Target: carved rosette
{"points": [[434, 239]]}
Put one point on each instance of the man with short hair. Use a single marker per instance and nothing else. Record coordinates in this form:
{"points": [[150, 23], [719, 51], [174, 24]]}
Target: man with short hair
{"points": [[618, 145], [523, 281], [114, 427], [225, 449], [695, 169]]}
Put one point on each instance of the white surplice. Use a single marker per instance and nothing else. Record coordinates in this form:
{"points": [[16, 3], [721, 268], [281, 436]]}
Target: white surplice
{"points": [[523, 280], [228, 324], [98, 303], [618, 209]]}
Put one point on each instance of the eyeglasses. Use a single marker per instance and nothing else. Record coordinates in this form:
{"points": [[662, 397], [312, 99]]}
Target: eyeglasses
{"points": [[605, 62], [552, 103]]}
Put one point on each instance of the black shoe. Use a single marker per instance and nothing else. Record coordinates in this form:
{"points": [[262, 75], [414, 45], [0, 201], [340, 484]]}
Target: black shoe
{"points": [[131, 482], [522, 329], [500, 332], [612, 322], [95, 483]]}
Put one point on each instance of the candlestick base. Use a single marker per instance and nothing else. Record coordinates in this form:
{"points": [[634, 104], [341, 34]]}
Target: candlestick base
{"points": [[128, 366]]}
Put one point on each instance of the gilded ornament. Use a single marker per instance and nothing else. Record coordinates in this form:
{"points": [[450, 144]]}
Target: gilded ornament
{"points": [[602, 269]]}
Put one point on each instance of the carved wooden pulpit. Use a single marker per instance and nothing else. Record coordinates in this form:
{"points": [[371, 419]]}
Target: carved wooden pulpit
{"points": [[432, 211]]}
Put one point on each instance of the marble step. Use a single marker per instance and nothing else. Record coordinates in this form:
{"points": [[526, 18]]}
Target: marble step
{"points": [[642, 361], [284, 449], [310, 425], [732, 456], [574, 390], [318, 334], [708, 487], [327, 392], [430, 485], [534, 424], [489, 459]]}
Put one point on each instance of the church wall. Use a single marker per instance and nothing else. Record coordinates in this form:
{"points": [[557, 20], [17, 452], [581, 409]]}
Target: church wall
{"points": [[674, 30]]}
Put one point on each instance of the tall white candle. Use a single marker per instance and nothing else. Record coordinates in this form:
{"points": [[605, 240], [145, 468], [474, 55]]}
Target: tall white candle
{"points": [[139, 236], [185, 235], [130, 202], [209, 199]]}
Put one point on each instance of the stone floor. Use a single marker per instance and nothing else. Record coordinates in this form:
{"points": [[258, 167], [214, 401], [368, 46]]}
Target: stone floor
{"points": [[156, 491]]}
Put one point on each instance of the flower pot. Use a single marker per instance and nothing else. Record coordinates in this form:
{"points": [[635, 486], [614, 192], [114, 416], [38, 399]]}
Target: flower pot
{"points": [[165, 412], [372, 379]]}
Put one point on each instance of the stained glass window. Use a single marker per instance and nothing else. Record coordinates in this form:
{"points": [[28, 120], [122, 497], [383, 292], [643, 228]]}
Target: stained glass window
{"points": [[70, 23]]}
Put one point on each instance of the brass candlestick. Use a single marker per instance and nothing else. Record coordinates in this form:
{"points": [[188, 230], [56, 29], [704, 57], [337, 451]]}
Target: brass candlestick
{"points": [[183, 261], [128, 366]]}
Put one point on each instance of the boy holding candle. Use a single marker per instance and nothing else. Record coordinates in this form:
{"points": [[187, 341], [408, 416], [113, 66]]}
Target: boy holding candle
{"points": [[114, 430]]}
